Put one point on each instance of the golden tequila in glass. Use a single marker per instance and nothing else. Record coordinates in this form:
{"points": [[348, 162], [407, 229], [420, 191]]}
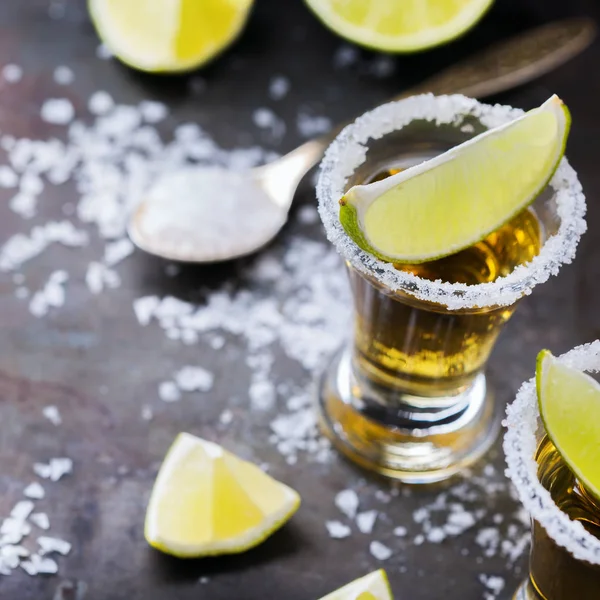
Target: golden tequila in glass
{"points": [[408, 397], [564, 562], [578, 579]]}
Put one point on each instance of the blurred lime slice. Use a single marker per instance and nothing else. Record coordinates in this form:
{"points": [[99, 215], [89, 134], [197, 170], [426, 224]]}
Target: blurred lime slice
{"points": [[168, 35], [399, 25], [374, 586]]}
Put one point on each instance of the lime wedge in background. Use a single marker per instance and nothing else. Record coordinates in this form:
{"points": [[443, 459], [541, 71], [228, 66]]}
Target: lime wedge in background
{"points": [[168, 35], [374, 586], [569, 402], [399, 25], [456, 199], [206, 501]]}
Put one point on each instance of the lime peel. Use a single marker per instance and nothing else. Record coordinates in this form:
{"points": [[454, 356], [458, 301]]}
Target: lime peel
{"points": [[569, 404], [472, 190]]}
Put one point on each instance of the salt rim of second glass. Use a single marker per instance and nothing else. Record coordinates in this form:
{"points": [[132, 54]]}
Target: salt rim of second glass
{"points": [[520, 444], [348, 151]]}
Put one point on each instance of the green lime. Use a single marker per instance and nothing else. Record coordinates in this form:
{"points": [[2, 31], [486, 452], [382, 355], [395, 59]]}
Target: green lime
{"points": [[374, 586], [399, 26], [456, 199], [569, 402]]}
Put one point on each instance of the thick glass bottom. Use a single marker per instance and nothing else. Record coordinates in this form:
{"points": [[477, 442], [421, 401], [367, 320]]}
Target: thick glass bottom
{"points": [[412, 439]]}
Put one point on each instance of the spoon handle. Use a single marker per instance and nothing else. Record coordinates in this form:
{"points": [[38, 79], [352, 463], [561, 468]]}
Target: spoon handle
{"points": [[514, 62]]}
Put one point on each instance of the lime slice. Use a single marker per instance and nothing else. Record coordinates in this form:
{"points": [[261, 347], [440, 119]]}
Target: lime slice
{"points": [[399, 26], [569, 402], [456, 199], [168, 35], [374, 586], [206, 501]]}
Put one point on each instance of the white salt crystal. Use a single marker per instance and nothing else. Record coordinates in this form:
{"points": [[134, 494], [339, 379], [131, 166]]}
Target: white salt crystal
{"points": [[279, 86], [147, 413], [310, 126], [14, 529], [63, 75], [436, 535], [115, 252], [41, 520], [308, 215], [8, 178], [100, 103], [400, 531], [419, 539], [194, 379], [265, 118], [99, 277], [144, 308], [379, 550], [494, 583], [262, 394], [51, 295], [22, 510], [55, 469], [366, 520], [34, 491], [337, 530], [347, 502], [58, 111], [52, 413], [382, 66], [168, 391], [217, 342], [23, 205], [12, 73], [36, 564], [226, 417], [345, 56], [152, 111], [50, 544]]}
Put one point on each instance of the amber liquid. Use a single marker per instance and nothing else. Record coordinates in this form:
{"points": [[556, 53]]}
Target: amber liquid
{"points": [[422, 348], [554, 573]]}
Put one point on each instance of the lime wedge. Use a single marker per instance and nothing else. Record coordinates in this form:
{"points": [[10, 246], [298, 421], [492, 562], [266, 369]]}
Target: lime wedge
{"points": [[399, 26], [167, 35], [456, 199], [206, 501], [374, 586], [569, 402]]}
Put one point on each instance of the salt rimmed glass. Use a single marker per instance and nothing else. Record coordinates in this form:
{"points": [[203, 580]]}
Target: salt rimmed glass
{"points": [[565, 556], [425, 429]]}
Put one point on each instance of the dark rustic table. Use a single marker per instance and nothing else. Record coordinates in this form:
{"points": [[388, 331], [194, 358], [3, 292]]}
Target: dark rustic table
{"points": [[91, 359]]}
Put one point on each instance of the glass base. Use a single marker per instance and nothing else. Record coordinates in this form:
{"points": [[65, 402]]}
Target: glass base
{"points": [[527, 592], [412, 439]]}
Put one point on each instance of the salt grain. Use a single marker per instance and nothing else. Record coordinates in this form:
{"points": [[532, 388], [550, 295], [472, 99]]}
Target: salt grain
{"points": [[52, 413], [400, 531], [34, 491], [63, 75], [366, 520], [8, 178], [152, 111], [50, 544], [168, 391], [279, 86], [12, 73], [194, 379], [41, 520], [100, 103], [58, 111], [347, 502], [379, 550], [147, 413], [337, 530], [52, 295]]}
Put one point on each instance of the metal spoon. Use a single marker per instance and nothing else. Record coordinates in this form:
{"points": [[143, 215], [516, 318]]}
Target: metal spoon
{"points": [[208, 214]]}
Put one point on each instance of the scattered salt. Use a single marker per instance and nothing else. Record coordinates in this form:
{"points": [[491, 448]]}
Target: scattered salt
{"points": [[337, 530], [100, 103], [152, 111], [99, 277], [58, 111], [50, 544], [345, 56], [347, 501], [12, 73], [51, 295], [41, 520], [400, 531], [115, 252], [52, 413], [8, 178], [168, 391], [279, 86], [22, 510], [310, 126], [63, 75], [147, 413], [194, 379], [379, 550], [226, 417], [34, 491], [366, 520], [494, 584], [103, 52], [308, 215], [55, 469]]}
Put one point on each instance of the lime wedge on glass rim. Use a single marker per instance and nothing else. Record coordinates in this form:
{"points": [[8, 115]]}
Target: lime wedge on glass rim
{"points": [[569, 403], [456, 199], [374, 586], [399, 26]]}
